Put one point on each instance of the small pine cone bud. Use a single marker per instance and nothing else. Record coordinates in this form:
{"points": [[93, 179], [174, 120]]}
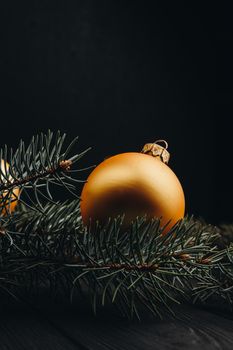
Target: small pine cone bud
{"points": [[184, 256], [2, 231], [65, 164], [205, 261]]}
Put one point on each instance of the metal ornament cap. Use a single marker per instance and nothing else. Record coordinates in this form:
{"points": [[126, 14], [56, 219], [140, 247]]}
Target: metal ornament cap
{"points": [[156, 150]]}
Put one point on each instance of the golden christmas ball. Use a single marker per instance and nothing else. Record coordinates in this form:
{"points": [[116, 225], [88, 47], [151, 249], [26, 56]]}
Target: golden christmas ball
{"points": [[5, 177], [134, 184]]}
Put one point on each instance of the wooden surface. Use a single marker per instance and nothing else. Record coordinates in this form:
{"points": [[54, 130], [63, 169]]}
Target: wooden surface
{"points": [[55, 327]]}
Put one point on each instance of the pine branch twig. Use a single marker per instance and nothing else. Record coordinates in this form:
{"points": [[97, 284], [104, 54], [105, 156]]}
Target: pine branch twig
{"points": [[28, 173], [137, 268]]}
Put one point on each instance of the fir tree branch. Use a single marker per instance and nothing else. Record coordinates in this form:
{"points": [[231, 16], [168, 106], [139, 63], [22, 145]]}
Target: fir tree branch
{"points": [[130, 269], [220, 284], [28, 173], [63, 166]]}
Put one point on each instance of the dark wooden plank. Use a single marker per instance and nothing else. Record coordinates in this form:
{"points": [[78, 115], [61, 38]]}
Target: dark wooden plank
{"points": [[193, 328], [24, 329], [62, 327]]}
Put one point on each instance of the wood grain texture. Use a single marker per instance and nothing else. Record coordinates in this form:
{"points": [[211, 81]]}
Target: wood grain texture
{"points": [[22, 329], [193, 329], [58, 327]]}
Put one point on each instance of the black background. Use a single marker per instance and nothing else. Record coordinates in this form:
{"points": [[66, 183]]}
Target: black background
{"points": [[123, 73]]}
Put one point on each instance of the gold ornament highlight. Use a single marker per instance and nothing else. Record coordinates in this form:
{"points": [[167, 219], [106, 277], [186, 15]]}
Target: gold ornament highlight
{"points": [[134, 184], [9, 205]]}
